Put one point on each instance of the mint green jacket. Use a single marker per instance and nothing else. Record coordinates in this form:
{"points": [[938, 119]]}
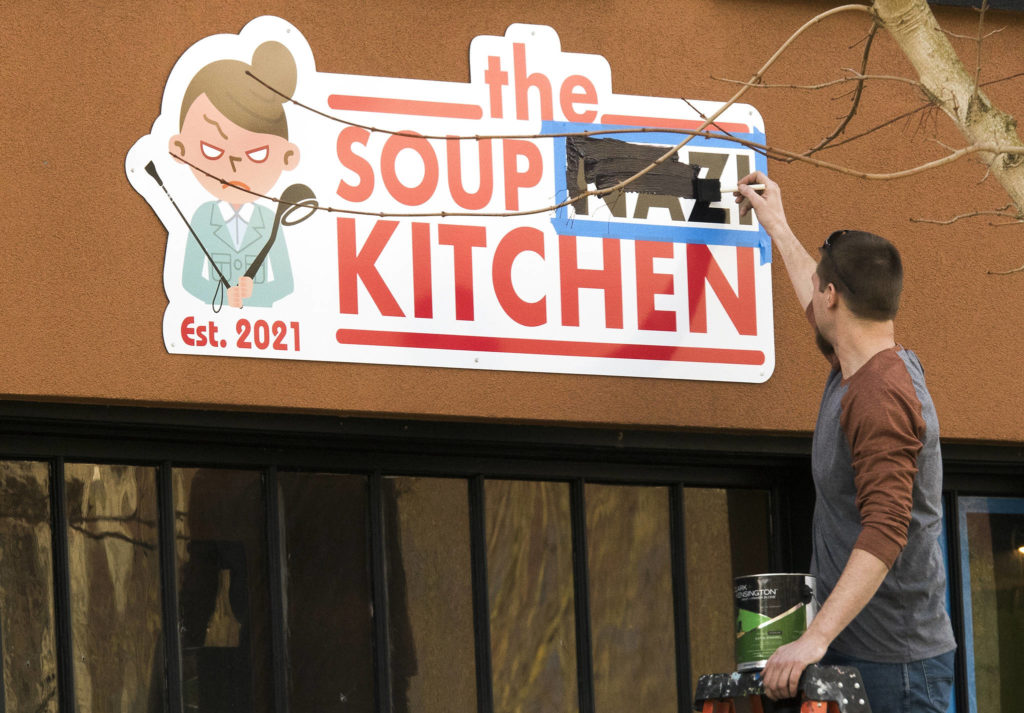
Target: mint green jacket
{"points": [[270, 283]]}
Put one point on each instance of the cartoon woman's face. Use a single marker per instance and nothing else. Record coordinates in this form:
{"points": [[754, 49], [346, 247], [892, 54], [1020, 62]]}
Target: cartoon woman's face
{"points": [[244, 159]]}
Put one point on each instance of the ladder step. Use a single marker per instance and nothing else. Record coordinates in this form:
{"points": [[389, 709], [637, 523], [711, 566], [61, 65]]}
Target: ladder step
{"points": [[824, 689]]}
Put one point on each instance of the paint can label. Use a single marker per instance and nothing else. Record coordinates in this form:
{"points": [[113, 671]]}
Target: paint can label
{"points": [[771, 610]]}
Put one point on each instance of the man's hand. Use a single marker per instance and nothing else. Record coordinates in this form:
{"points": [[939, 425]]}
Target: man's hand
{"points": [[857, 584], [767, 204], [768, 207], [245, 287], [782, 673]]}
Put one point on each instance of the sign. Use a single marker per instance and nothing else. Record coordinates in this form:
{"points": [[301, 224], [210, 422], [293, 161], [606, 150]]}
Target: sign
{"points": [[349, 218]]}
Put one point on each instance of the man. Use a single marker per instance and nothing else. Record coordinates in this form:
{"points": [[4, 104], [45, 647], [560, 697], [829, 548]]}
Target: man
{"points": [[878, 479]]}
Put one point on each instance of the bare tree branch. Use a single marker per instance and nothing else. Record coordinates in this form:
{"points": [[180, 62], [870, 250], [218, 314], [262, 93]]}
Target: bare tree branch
{"points": [[856, 96], [913, 26], [963, 216], [1005, 272], [981, 29], [855, 76], [905, 115], [770, 151], [113, 535]]}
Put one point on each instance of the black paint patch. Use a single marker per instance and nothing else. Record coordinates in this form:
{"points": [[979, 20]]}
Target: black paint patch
{"points": [[607, 162]]}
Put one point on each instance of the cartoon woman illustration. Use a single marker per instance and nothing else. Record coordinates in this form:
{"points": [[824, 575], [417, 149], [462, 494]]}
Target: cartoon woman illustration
{"points": [[234, 128]]}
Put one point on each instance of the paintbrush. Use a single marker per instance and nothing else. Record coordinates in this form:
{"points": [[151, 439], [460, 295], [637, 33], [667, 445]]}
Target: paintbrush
{"points": [[736, 189]]}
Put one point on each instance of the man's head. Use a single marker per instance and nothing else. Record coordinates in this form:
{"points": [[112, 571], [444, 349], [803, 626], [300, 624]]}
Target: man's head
{"points": [[866, 270], [235, 128]]}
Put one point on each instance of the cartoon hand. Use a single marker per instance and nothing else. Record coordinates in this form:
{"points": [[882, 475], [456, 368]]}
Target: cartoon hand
{"points": [[235, 296], [245, 286]]}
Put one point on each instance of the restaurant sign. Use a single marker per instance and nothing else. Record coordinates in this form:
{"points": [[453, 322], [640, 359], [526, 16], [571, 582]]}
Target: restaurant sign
{"points": [[348, 218]]}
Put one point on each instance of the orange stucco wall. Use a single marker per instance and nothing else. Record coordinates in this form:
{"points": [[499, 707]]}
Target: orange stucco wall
{"points": [[81, 292]]}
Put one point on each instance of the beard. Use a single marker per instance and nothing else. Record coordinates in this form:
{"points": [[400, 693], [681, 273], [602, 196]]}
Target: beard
{"points": [[823, 344]]}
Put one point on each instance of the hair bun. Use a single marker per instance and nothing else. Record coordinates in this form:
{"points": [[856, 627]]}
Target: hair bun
{"points": [[274, 64]]}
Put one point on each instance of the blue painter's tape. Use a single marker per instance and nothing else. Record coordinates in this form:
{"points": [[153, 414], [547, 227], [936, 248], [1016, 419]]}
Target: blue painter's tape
{"points": [[704, 234]]}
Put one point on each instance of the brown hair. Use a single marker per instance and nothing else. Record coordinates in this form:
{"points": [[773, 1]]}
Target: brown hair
{"points": [[241, 98], [866, 269]]}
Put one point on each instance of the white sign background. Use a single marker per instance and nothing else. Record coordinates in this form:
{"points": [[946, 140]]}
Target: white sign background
{"points": [[644, 295]]}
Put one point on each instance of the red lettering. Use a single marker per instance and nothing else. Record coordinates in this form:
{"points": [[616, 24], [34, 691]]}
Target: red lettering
{"points": [[360, 166], [470, 201], [188, 332], [463, 238], [573, 279], [524, 81], [354, 266], [409, 195], [515, 179], [650, 283], [422, 278], [516, 242], [568, 98], [740, 305], [495, 78]]}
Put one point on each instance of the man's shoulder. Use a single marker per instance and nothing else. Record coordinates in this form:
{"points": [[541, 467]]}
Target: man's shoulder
{"points": [[889, 368], [884, 390]]}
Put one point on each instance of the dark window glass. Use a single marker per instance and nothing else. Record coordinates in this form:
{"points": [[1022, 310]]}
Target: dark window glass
{"points": [[222, 590], [115, 588], [328, 613], [529, 577], [26, 588], [727, 536], [992, 562], [630, 566], [429, 595]]}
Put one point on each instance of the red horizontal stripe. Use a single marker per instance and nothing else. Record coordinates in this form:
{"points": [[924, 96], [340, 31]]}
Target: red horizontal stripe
{"points": [[509, 345], [661, 123], [413, 107]]}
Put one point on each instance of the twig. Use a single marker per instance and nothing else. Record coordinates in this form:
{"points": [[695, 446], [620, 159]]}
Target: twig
{"points": [[116, 518], [922, 107], [962, 216], [973, 38], [112, 534], [45, 703], [855, 77], [856, 97], [981, 27], [1006, 272]]}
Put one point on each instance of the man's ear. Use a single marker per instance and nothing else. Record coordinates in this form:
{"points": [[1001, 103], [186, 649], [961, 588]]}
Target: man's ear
{"points": [[831, 295], [176, 146], [291, 157]]}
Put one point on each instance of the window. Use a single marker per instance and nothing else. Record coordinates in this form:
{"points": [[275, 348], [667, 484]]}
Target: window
{"points": [[371, 572], [991, 532], [26, 588]]}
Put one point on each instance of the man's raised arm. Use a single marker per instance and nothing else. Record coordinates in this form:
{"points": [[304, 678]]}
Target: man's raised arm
{"points": [[770, 214]]}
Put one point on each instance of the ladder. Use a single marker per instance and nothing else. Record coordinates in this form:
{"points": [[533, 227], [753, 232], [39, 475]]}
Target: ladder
{"points": [[824, 689]]}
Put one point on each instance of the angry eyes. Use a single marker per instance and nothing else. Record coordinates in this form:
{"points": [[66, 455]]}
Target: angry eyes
{"points": [[210, 151], [257, 155]]}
